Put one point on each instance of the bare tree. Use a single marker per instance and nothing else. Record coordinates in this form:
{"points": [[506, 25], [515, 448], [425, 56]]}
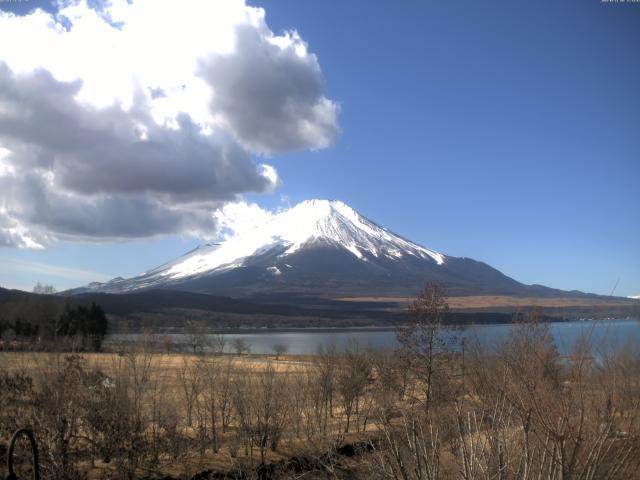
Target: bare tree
{"points": [[280, 349], [390, 381], [223, 393], [190, 384], [242, 389], [425, 340], [353, 377], [44, 289], [326, 363], [240, 346], [216, 342], [58, 415], [216, 397], [409, 450], [196, 335], [270, 408]]}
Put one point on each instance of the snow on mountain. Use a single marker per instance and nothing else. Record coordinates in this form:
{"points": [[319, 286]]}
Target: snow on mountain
{"points": [[634, 297], [309, 221], [312, 222], [319, 248]]}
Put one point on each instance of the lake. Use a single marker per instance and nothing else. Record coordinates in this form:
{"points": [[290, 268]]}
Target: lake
{"points": [[608, 333]]}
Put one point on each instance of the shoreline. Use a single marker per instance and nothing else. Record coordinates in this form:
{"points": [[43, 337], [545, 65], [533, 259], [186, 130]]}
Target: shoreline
{"points": [[351, 329]]}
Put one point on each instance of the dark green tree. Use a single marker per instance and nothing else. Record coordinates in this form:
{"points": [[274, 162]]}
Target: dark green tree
{"points": [[89, 322]]}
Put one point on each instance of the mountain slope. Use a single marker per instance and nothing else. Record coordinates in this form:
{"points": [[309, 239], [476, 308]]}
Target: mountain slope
{"points": [[320, 247]]}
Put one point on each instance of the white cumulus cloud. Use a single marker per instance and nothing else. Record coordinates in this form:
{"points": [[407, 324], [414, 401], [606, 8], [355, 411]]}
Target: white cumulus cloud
{"points": [[241, 217], [145, 118]]}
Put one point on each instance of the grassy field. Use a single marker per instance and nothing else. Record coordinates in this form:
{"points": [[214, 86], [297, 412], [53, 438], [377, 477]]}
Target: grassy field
{"points": [[169, 364], [501, 301], [173, 391]]}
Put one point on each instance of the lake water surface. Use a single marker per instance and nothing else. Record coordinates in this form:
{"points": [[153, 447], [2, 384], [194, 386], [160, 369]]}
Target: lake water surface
{"points": [[604, 333]]}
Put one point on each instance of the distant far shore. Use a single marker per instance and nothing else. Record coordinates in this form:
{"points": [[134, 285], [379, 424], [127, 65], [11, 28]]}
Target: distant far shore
{"points": [[348, 329], [268, 330]]}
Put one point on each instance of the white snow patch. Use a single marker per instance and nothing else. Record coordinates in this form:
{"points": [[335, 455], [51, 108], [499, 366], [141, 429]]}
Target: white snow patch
{"points": [[354, 249], [393, 253]]}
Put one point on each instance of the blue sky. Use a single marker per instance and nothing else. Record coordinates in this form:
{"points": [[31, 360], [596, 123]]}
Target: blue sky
{"points": [[508, 132]]}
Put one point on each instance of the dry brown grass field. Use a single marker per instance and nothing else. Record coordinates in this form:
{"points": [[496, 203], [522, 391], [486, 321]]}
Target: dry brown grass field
{"points": [[174, 385], [501, 301], [168, 363]]}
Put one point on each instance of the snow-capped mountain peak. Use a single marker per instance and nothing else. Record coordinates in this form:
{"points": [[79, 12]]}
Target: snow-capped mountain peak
{"points": [[302, 229], [319, 248], [311, 221]]}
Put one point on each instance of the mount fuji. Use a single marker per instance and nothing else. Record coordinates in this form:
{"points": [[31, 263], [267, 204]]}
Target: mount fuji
{"points": [[320, 248]]}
